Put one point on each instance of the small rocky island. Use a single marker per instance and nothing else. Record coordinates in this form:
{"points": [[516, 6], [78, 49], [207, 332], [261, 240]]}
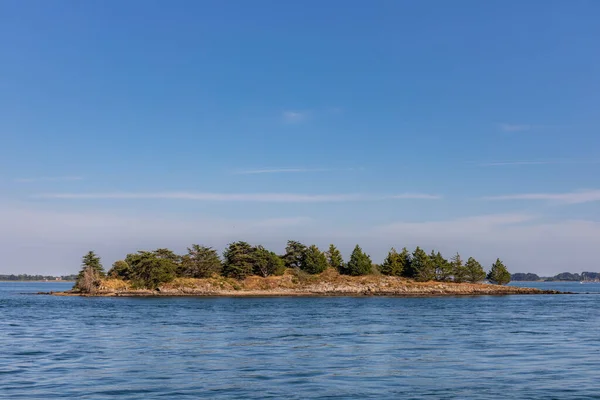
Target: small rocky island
{"points": [[247, 270]]}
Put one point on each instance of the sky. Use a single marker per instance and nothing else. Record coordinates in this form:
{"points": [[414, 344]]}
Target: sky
{"points": [[466, 126]]}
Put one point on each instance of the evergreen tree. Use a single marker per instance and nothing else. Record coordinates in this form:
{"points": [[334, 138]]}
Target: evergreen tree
{"points": [[89, 278], [200, 262], [360, 263], [149, 269], [266, 262], [459, 271], [121, 270], [393, 264], [474, 271], [334, 259], [443, 269], [408, 271], [498, 274], [294, 254], [314, 261], [238, 260], [422, 266]]}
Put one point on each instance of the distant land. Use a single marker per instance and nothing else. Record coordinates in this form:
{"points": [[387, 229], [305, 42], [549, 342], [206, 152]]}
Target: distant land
{"points": [[562, 277], [37, 278]]}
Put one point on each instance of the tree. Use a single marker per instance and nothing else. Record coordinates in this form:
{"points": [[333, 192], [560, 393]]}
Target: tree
{"points": [[422, 266], [443, 269], [334, 258], [150, 269], [393, 264], [121, 270], [294, 254], [498, 274], [238, 260], [314, 261], [408, 271], [200, 262], [474, 271], [266, 262], [459, 272], [360, 263], [91, 274]]}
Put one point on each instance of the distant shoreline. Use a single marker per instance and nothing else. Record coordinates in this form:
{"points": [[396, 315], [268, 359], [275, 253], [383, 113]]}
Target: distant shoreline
{"points": [[48, 281]]}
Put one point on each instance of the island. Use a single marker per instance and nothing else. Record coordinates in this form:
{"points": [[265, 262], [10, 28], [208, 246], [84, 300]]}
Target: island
{"points": [[246, 270]]}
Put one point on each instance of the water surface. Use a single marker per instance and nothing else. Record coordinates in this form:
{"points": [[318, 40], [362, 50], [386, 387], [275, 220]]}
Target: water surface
{"points": [[490, 347]]}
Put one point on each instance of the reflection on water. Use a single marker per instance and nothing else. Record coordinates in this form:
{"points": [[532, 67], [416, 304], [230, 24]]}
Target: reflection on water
{"points": [[477, 347]]}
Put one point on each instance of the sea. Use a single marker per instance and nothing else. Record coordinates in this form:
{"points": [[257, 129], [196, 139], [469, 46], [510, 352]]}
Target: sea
{"points": [[483, 347]]}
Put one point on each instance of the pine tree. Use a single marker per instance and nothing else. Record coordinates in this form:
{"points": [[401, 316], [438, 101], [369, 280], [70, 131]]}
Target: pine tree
{"points": [[393, 264], [498, 274], [459, 272], [443, 269], [120, 270], [408, 271], [294, 253], [89, 278], [200, 262], [237, 260], [474, 271], [360, 263], [334, 259], [314, 261], [266, 263], [422, 266]]}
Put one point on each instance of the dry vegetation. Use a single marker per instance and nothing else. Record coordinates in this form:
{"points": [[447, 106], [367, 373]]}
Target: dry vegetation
{"points": [[295, 282]]}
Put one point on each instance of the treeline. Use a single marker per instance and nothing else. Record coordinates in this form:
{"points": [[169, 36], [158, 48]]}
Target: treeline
{"points": [[149, 269], [562, 277], [25, 277]]}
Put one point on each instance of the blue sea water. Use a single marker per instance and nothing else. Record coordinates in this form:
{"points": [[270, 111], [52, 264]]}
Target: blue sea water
{"points": [[491, 347]]}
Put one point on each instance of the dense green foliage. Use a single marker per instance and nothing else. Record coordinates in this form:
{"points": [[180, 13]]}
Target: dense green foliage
{"points": [[393, 264], [237, 260], [200, 262], [423, 268], [294, 254], [150, 269], [266, 262], [474, 271], [498, 273], [459, 272], [314, 260], [335, 259], [360, 263], [443, 268]]}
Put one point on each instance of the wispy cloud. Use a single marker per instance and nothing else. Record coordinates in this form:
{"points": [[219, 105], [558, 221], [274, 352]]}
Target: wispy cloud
{"points": [[49, 179], [239, 197], [290, 170], [537, 162], [515, 127], [294, 117], [578, 197]]}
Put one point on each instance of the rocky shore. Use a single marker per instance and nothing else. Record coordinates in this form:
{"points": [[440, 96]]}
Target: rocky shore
{"points": [[293, 283]]}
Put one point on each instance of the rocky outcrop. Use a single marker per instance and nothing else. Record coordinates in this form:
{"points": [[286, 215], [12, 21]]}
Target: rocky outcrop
{"points": [[297, 283]]}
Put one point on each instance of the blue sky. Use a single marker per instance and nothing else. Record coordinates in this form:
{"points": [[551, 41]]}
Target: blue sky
{"points": [[463, 126]]}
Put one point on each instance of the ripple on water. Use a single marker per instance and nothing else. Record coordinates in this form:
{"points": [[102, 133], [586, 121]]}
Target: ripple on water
{"points": [[455, 348]]}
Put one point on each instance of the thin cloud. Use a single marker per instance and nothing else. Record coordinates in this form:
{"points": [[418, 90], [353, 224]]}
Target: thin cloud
{"points": [[238, 197], [290, 170], [538, 162], [294, 117], [584, 196], [49, 179]]}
